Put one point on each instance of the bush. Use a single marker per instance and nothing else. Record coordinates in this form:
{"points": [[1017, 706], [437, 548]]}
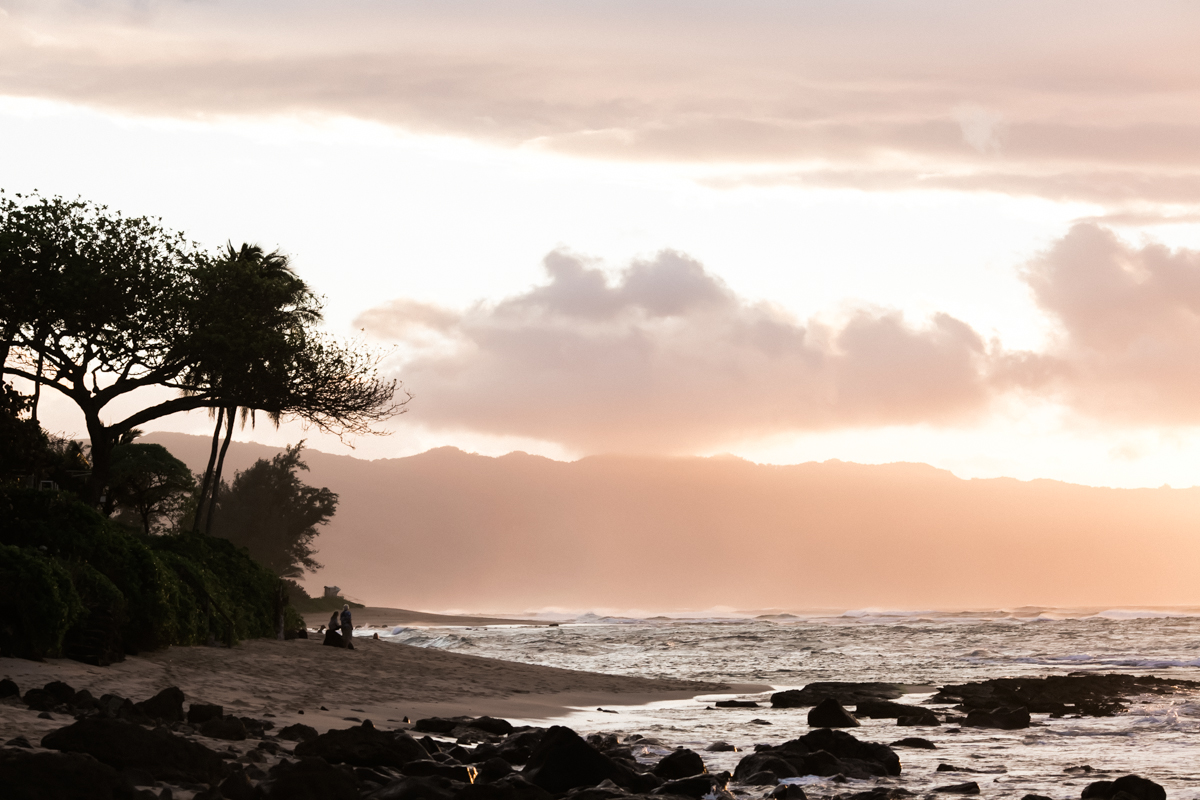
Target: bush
{"points": [[144, 592]]}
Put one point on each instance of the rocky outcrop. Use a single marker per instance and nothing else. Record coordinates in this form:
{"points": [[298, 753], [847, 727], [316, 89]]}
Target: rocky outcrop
{"points": [[123, 745], [363, 746], [682, 763], [844, 692], [822, 752], [1059, 695], [1009, 719], [166, 706], [563, 761], [830, 714], [26, 775], [1134, 786], [886, 709]]}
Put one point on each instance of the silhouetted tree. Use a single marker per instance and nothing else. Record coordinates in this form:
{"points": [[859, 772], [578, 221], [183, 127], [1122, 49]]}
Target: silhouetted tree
{"points": [[150, 483], [275, 515]]}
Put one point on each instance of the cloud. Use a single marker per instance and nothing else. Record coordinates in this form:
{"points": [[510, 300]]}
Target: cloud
{"points": [[1095, 105], [1128, 345], [663, 357]]}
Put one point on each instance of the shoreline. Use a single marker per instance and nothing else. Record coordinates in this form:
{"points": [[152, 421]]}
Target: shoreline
{"points": [[289, 682], [383, 617]]}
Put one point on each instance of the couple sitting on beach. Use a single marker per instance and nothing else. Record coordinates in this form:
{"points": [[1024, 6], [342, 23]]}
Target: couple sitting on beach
{"points": [[343, 623]]}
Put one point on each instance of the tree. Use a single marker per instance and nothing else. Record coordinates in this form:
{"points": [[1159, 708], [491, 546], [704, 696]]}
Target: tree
{"points": [[273, 514], [149, 482], [97, 306]]}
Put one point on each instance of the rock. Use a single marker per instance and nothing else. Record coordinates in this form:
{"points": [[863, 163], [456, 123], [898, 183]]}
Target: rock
{"points": [[427, 768], [789, 791], [758, 763], [1035, 797], [1133, 785], [122, 745], [238, 787], [830, 714], [8, 688], [167, 705], [436, 725], [114, 706], [720, 747], [493, 769], [419, 789], [1009, 719], [696, 787], [228, 728], [19, 741], [971, 787], [40, 700], [563, 761], [886, 709], [496, 727], [60, 776], [199, 713], [298, 732], [761, 779], [512, 787], [823, 752], [736, 704], [925, 718], [915, 742], [682, 763], [309, 779], [846, 693], [1092, 695], [363, 746]]}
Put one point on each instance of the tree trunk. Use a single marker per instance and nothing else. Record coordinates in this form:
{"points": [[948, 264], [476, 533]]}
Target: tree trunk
{"points": [[206, 483], [37, 389], [101, 453], [230, 413]]}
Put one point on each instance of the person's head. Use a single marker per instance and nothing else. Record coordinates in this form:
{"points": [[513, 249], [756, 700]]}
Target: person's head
{"points": [[346, 607]]}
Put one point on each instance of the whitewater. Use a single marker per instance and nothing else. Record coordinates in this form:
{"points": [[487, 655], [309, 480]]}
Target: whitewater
{"points": [[1158, 737]]}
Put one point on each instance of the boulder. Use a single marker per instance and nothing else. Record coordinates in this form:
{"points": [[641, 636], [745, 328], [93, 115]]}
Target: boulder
{"points": [[238, 787], [496, 727], [736, 704], [1092, 695], [563, 761], [436, 725], [788, 791], [757, 763], [230, 729], [830, 714], [696, 787], [761, 779], [1009, 719], [845, 692], [40, 700], [363, 746], [298, 732], [309, 779], [970, 787], [428, 768], [512, 787], [167, 705], [843, 745], [915, 742], [8, 689], [886, 709], [1133, 785], [60, 776], [420, 789], [923, 717], [123, 745], [682, 763], [202, 712], [720, 747], [62, 693], [493, 769]]}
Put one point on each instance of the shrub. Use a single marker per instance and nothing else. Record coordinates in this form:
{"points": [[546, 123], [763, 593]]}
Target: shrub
{"points": [[38, 603]]}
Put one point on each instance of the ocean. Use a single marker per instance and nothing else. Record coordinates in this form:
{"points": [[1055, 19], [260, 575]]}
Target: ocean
{"points": [[1157, 738]]}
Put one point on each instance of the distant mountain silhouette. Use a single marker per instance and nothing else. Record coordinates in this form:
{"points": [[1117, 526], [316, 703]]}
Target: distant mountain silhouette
{"points": [[451, 530]]}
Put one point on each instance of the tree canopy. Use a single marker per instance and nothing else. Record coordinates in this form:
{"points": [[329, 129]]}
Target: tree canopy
{"points": [[274, 514], [97, 306], [149, 483]]}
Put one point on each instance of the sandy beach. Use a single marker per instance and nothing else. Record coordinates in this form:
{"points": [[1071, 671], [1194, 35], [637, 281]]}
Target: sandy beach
{"points": [[378, 617], [291, 681]]}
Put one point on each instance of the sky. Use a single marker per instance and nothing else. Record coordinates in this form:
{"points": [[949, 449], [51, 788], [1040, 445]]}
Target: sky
{"points": [[960, 234]]}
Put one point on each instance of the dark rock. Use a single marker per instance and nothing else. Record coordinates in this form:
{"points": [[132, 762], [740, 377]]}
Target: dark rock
{"points": [[915, 742], [1035, 797], [695, 787], [436, 725], [736, 704], [19, 741], [720, 747], [496, 727], [138, 777], [1132, 785], [517, 748], [1091, 695], [756, 763], [364, 746], [1009, 719], [563, 761], [682, 763], [418, 789], [167, 705], [63, 693], [830, 714], [846, 693], [512, 787], [8, 688], [924, 719], [878, 793], [309, 779], [122, 745], [199, 713], [228, 728], [761, 779], [114, 706], [40, 700], [427, 768], [60, 776], [298, 732], [971, 787], [789, 791], [493, 769], [238, 787], [85, 701]]}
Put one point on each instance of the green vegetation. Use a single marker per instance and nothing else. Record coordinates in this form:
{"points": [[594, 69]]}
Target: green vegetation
{"points": [[103, 549]]}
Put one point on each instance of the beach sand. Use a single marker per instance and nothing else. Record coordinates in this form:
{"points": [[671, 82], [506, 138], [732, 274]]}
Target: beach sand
{"points": [[288, 682]]}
